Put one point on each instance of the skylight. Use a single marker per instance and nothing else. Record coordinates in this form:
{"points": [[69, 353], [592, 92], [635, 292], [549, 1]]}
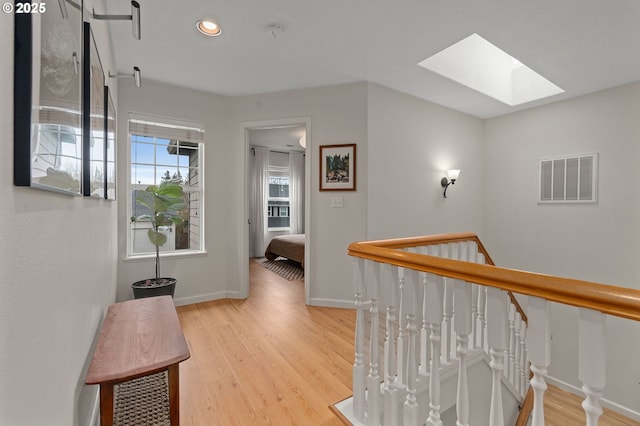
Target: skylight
{"points": [[478, 64]]}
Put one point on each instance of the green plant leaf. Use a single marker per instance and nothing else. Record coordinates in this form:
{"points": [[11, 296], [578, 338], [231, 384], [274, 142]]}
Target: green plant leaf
{"points": [[177, 220], [142, 217], [164, 203], [157, 238]]}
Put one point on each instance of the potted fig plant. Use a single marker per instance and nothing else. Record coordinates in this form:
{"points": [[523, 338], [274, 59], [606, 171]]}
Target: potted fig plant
{"points": [[163, 204]]}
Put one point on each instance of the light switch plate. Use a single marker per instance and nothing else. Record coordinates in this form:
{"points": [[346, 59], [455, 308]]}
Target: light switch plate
{"points": [[336, 202]]}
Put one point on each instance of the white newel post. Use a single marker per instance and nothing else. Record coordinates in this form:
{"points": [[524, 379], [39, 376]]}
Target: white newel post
{"points": [[462, 325], [538, 339], [373, 382], [411, 417], [434, 299], [359, 371], [497, 326], [592, 361]]}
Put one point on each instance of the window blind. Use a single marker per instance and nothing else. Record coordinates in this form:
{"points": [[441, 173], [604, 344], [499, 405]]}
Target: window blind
{"points": [[147, 126]]}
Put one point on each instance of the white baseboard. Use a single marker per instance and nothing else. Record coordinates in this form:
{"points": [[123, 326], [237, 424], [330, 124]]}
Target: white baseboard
{"points": [[332, 303], [206, 297], [314, 301], [635, 415]]}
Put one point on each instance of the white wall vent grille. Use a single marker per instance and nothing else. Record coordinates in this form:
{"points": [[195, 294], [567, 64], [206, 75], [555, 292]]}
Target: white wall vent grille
{"points": [[569, 179]]}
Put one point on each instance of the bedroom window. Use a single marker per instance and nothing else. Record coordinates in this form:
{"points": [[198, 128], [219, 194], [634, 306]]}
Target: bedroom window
{"points": [[278, 216], [161, 151]]}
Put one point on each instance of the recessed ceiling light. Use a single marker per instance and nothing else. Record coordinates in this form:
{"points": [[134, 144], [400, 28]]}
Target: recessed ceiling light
{"points": [[208, 28]]}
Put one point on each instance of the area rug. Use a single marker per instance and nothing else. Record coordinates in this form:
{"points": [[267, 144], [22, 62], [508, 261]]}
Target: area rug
{"points": [[142, 401], [287, 269]]}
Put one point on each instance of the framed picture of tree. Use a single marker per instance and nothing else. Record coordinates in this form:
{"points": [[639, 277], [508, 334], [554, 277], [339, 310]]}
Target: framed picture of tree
{"points": [[338, 167]]}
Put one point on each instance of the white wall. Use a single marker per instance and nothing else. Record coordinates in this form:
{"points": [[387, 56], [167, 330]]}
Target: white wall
{"points": [[411, 145], [58, 275], [591, 242], [215, 274], [338, 115]]}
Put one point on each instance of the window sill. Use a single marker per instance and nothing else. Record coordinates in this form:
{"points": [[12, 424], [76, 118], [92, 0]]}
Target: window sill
{"points": [[172, 255], [278, 229]]}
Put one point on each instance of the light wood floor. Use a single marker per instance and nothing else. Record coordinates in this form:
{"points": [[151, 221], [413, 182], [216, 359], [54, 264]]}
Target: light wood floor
{"points": [[272, 360], [562, 408], [267, 360]]}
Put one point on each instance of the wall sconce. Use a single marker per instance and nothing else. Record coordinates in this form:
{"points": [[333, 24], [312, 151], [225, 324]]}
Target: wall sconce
{"points": [[134, 18], [136, 76], [452, 175]]}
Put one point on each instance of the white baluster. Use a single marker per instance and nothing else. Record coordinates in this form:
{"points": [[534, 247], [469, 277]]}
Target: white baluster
{"points": [[511, 351], [480, 320], [468, 254], [359, 371], [411, 417], [462, 324], [473, 251], [524, 371], [482, 300], [475, 290], [539, 353], [402, 335], [424, 331], [390, 277], [518, 367], [435, 297], [373, 382], [497, 336], [447, 334], [592, 361], [391, 412]]}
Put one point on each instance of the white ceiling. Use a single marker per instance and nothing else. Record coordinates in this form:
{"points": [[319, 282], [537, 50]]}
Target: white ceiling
{"points": [[284, 138], [580, 45]]}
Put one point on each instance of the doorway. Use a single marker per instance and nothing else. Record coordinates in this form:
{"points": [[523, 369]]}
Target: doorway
{"points": [[284, 141]]}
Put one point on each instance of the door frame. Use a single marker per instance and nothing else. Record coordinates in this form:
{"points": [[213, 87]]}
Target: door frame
{"points": [[308, 264]]}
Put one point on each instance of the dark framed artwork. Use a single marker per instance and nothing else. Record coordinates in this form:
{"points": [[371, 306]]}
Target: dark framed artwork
{"points": [[110, 146], [94, 113], [48, 99], [338, 167]]}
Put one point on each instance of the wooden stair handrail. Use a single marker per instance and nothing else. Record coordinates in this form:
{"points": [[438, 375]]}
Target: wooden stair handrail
{"points": [[525, 409], [618, 301]]}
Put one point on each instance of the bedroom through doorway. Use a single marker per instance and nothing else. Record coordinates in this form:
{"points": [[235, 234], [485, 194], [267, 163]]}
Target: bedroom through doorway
{"points": [[277, 206]]}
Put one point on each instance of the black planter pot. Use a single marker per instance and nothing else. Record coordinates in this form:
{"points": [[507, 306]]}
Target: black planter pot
{"points": [[149, 288]]}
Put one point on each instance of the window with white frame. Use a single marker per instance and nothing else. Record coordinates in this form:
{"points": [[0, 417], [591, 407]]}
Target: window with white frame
{"points": [[162, 151], [278, 208]]}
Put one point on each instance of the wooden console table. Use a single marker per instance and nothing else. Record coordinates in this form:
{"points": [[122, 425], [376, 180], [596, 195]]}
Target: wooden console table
{"points": [[138, 338]]}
